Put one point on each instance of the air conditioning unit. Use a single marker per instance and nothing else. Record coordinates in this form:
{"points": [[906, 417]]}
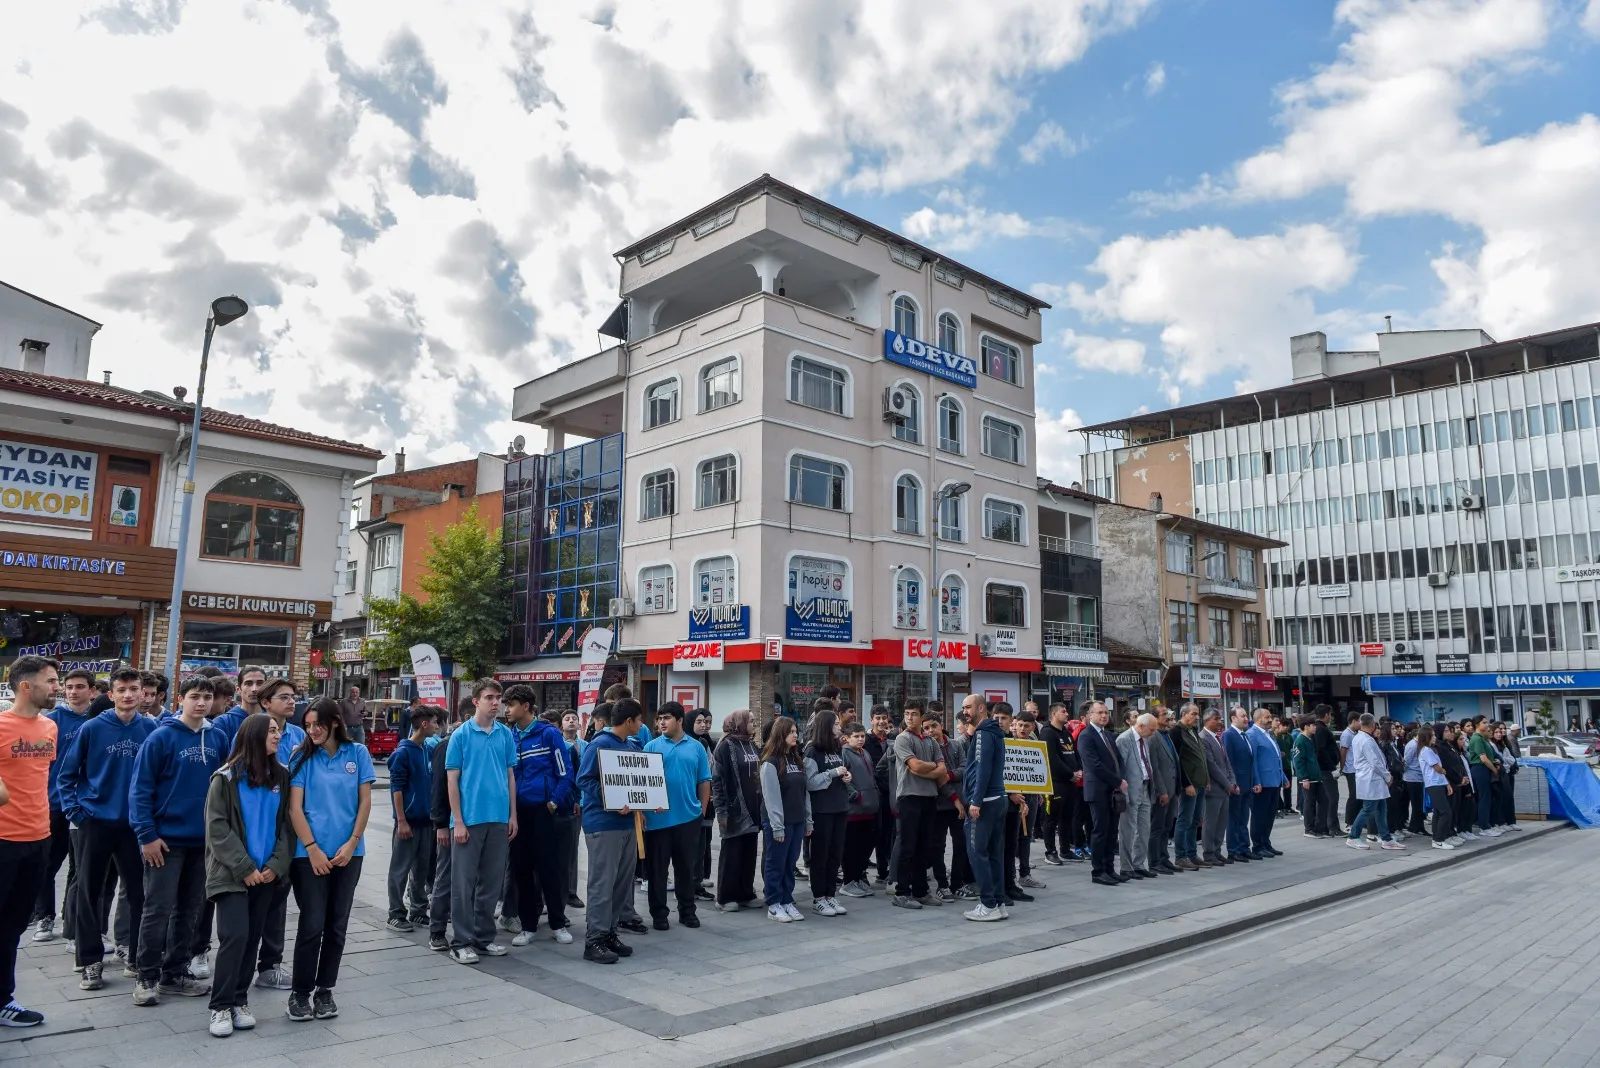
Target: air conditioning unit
{"points": [[1403, 647], [1472, 502], [897, 404], [1152, 676], [986, 644], [1439, 579], [620, 608]]}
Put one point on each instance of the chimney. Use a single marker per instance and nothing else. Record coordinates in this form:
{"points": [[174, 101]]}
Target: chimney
{"points": [[1155, 502], [107, 378], [179, 392], [400, 462]]}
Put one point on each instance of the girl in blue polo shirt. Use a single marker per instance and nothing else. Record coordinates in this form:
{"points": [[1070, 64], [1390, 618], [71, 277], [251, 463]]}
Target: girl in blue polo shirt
{"points": [[330, 798]]}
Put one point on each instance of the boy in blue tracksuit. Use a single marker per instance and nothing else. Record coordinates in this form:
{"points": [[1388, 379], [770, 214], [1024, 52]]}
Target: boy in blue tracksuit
{"points": [[166, 808], [546, 785], [93, 782], [411, 857], [984, 789], [609, 837]]}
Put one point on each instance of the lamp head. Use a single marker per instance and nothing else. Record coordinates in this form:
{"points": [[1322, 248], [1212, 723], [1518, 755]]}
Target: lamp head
{"points": [[225, 310]]}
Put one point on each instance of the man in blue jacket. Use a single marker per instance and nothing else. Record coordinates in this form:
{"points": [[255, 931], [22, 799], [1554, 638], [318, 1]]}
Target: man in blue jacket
{"points": [[69, 716], [94, 781], [609, 837], [166, 808], [1242, 759], [1268, 789], [411, 794], [547, 784], [984, 788]]}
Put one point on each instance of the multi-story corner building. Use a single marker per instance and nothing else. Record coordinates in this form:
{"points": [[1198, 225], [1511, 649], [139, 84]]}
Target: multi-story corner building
{"points": [[803, 409], [41, 337], [392, 519], [1440, 497]]}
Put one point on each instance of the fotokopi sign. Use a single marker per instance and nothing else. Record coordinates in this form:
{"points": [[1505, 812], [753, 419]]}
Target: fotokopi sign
{"points": [[1027, 767], [46, 481]]}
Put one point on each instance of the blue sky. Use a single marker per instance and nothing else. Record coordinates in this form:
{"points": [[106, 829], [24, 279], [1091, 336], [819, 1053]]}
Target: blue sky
{"points": [[421, 200]]}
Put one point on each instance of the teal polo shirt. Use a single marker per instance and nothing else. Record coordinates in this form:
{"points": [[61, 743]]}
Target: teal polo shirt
{"points": [[483, 757], [687, 766], [333, 795]]}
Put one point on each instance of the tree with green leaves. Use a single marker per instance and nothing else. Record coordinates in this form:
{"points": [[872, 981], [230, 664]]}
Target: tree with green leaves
{"points": [[465, 607]]}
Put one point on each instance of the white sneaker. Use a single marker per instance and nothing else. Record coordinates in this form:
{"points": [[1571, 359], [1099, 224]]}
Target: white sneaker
{"points": [[221, 1023], [1356, 843], [984, 914], [495, 949], [1467, 836], [562, 936], [1456, 840], [838, 909], [464, 955], [46, 931], [199, 967], [1443, 845], [1391, 844], [242, 1018], [522, 938], [822, 908], [1490, 833], [729, 906], [779, 913], [794, 913]]}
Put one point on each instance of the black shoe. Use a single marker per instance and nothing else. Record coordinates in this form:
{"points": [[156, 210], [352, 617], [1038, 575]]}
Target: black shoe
{"points": [[618, 946], [300, 1008], [637, 926], [1016, 893], [661, 924], [1166, 869], [1143, 873], [1275, 851], [690, 920], [599, 953], [574, 901], [1006, 901], [322, 1005], [702, 894], [1239, 858], [1106, 880], [1120, 877], [1073, 857]]}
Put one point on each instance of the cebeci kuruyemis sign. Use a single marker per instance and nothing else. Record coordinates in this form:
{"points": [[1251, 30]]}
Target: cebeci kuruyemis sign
{"points": [[46, 482]]}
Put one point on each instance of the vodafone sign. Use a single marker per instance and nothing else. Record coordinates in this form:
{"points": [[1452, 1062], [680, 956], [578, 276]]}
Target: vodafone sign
{"points": [[918, 655], [1248, 680], [697, 656]]}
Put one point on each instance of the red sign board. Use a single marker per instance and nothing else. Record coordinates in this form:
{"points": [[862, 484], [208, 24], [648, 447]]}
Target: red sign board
{"points": [[918, 655], [697, 656], [1270, 661], [321, 671], [1371, 648], [1248, 680]]}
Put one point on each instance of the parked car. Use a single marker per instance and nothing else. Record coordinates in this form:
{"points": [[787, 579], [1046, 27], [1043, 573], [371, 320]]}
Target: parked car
{"points": [[1568, 746]]}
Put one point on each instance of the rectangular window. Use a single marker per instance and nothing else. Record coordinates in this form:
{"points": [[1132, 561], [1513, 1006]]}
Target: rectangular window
{"points": [[1249, 630], [1569, 416], [1519, 428], [1221, 627], [1002, 440], [1551, 425], [1001, 360], [1541, 485], [816, 385], [1004, 605], [1180, 553], [1180, 622], [1385, 448], [1002, 521], [1535, 422], [1585, 414], [1216, 559]]}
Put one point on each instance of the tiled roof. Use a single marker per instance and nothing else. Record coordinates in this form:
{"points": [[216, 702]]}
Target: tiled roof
{"points": [[82, 391]]}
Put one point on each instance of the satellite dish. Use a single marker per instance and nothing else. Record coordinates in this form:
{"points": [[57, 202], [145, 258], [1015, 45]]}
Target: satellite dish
{"points": [[519, 443]]}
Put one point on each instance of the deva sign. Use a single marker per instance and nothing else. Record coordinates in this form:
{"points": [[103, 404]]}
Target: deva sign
{"points": [[921, 356]]}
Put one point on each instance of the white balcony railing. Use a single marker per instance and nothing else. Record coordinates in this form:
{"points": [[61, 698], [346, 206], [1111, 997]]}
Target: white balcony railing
{"points": [[1067, 545], [1072, 635], [1229, 588]]}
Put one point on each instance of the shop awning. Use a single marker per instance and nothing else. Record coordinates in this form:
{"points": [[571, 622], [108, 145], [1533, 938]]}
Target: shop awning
{"points": [[1074, 671]]}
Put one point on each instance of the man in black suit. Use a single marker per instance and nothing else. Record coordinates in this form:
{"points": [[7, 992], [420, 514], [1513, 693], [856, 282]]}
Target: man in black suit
{"points": [[1102, 778]]}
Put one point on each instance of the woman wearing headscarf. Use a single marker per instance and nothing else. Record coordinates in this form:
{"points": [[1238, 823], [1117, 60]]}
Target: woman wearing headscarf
{"points": [[736, 799]]}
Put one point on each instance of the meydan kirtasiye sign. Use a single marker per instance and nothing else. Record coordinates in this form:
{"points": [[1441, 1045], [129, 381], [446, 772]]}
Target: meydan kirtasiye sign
{"points": [[921, 356]]}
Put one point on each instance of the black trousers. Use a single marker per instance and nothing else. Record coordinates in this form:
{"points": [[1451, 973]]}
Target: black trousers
{"points": [[736, 868], [1312, 807], [916, 830], [1399, 805], [1444, 823], [703, 872], [1414, 792], [275, 933], [859, 838], [951, 825], [1013, 833], [888, 827], [324, 902], [241, 919], [104, 846], [678, 845], [1330, 801], [827, 852], [1466, 808], [22, 866], [1060, 818], [1103, 838], [173, 895], [58, 850], [1352, 803], [539, 860]]}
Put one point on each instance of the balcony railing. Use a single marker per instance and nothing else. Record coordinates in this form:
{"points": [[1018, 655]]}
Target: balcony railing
{"points": [[1231, 588], [1067, 545], [1072, 635]]}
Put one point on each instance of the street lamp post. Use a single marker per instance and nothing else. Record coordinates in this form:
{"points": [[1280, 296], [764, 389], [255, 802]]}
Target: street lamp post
{"points": [[948, 493], [224, 310]]}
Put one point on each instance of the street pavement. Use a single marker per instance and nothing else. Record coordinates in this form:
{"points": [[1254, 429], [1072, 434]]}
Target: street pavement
{"points": [[1486, 964], [739, 986]]}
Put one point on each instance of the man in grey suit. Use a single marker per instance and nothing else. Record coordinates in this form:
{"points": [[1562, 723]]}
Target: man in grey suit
{"points": [[1135, 748], [1222, 786], [1163, 790]]}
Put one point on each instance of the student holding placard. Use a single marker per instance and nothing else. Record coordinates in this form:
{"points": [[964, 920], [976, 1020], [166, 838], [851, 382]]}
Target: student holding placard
{"points": [[609, 834]]}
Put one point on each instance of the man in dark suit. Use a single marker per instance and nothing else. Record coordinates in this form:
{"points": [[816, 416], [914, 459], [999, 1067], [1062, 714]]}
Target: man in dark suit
{"points": [[1102, 777], [1243, 763], [1220, 790]]}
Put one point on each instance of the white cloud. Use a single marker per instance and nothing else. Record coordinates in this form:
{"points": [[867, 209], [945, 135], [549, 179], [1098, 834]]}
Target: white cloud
{"points": [[1222, 302], [1119, 355], [1155, 79], [1591, 19], [1060, 446], [1048, 138], [420, 200], [958, 225]]}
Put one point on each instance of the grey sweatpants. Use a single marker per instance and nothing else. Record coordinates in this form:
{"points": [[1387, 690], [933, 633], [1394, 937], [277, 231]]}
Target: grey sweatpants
{"points": [[439, 898], [477, 871], [612, 858], [1215, 828]]}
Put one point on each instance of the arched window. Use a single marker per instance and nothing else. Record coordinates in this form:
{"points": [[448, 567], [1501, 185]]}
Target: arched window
{"points": [[1002, 440], [817, 385], [661, 404], [952, 427], [908, 598], [909, 427], [719, 384], [1002, 521], [252, 516], [905, 316], [818, 482], [908, 505], [952, 605], [951, 519], [949, 332], [716, 581], [658, 495], [719, 481]]}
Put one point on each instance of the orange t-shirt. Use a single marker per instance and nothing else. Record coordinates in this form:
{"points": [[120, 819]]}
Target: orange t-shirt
{"points": [[27, 746]]}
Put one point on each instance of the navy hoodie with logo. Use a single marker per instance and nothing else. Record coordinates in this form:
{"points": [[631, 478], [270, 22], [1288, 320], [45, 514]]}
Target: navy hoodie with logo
{"points": [[68, 724], [98, 770], [167, 799], [985, 776]]}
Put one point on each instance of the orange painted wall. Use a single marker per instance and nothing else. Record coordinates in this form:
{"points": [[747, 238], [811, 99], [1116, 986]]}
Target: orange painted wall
{"points": [[421, 523]]}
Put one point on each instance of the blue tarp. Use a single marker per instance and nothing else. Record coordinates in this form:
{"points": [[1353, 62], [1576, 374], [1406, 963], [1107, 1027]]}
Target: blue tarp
{"points": [[1574, 791]]}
